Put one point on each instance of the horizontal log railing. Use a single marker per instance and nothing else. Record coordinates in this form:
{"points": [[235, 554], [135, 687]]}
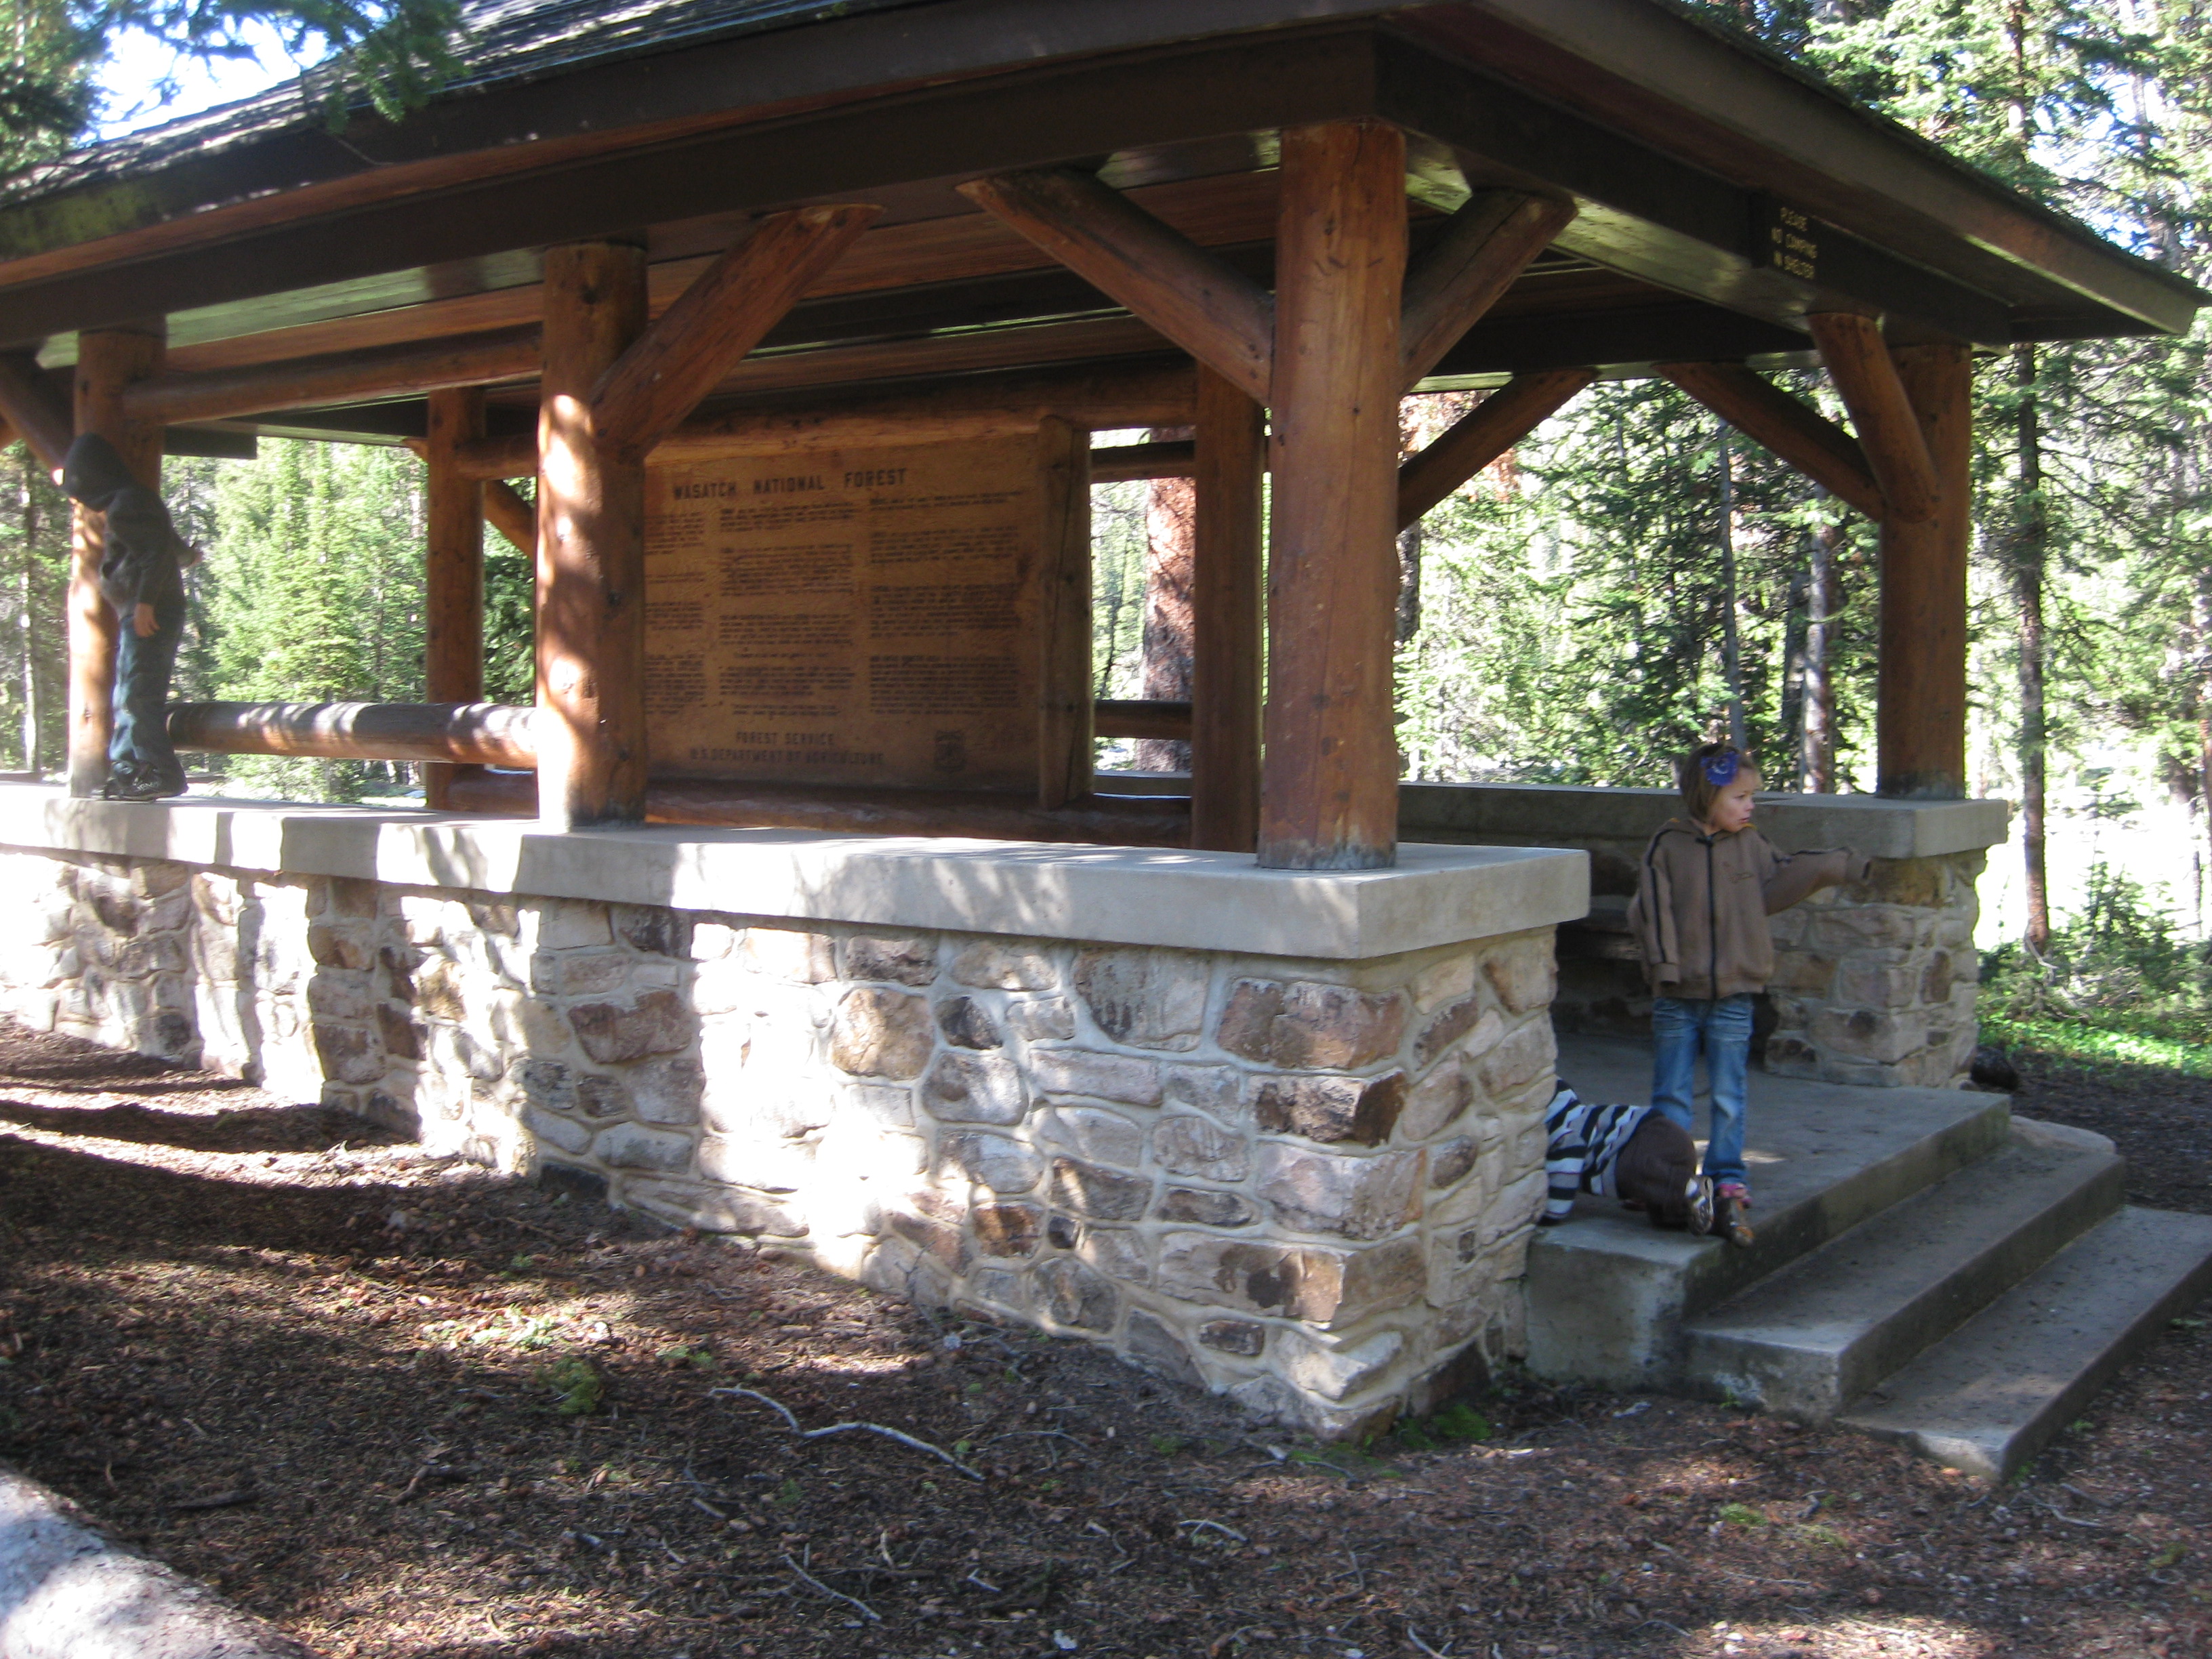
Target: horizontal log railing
{"points": [[465, 733], [1116, 717], [397, 371]]}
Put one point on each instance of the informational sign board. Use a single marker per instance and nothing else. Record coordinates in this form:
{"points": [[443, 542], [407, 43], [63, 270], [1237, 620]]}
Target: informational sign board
{"points": [[856, 617]]}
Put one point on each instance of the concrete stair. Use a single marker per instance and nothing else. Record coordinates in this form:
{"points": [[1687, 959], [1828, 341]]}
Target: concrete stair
{"points": [[1928, 1269]]}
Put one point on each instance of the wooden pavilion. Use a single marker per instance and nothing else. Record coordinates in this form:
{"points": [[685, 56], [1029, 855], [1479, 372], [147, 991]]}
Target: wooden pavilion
{"points": [[650, 235]]}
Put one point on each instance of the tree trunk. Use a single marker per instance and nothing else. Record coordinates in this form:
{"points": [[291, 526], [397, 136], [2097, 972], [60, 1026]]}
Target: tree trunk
{"points": [[2030, 547], [1822, 612], [26, 628], [1731, 643], [1171, 544]]}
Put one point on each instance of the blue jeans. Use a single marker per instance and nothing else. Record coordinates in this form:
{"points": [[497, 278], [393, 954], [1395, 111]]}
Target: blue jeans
{"points": [[1722, 1029], [140, 748]]}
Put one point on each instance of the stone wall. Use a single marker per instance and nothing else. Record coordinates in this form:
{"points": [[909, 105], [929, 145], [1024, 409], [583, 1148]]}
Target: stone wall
{"points": [[1307, 1183]]}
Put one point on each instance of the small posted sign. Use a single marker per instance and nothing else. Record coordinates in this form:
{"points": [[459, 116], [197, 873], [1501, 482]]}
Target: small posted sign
{"points": [[1788, 240]]}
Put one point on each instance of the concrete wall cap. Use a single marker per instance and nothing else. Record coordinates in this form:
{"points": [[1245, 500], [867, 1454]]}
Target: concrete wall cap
{"points": [[1435, 895]]}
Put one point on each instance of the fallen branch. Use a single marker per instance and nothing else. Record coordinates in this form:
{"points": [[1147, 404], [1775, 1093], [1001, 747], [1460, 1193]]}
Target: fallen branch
{"points": [[1227, 1531], [1414, 1636], [899, 1435], [773, 1404], [2070, 1520], [812, 1583], [222, 1500]]}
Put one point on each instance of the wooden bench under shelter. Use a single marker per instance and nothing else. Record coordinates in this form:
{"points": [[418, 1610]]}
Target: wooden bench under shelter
{"points": [[633, 240]]}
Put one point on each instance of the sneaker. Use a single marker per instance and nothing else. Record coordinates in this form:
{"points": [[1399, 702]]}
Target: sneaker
{"points": [[1732, 1213], [1700, 1195]]}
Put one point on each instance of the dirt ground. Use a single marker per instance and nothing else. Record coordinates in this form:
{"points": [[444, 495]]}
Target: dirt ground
{"points": [[405, 1408]]}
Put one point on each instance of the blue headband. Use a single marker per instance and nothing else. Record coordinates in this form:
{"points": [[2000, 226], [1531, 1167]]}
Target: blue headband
{"points": [[1720, 769]]}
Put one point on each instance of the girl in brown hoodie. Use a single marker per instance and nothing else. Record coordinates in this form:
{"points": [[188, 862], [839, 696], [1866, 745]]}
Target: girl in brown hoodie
{"points": [[1703, 896]]}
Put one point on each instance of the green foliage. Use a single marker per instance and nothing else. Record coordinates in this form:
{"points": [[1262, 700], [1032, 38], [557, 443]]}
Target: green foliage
{"points": [[576, 1387], [787, 1495], [2117, 983], [312, 593], [1741, 1515]]}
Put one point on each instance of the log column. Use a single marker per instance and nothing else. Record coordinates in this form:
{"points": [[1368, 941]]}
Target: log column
{"points": [[1920, 715], [1329, 779], [108, 361], [1227, 617], [591, 550], [454, 598]]}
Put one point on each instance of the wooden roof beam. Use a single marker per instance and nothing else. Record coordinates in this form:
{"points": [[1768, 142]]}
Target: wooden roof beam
{"points": [[1218, 315], [648, 392], [305, 382], [1493, 426], [1798, 434], [1484, 247], [32, 408], [1889, 432]]}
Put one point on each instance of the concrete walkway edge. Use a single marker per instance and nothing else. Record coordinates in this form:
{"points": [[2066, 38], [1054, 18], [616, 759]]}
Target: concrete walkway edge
{"points": [[68, 1593]]}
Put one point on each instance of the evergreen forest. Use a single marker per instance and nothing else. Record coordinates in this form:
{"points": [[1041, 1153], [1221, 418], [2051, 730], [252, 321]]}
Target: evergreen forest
{"points": [[1633, 577]]}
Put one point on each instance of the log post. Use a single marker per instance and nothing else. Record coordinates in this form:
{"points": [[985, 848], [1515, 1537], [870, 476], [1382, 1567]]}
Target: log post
{"points": [[1329, 779], [453, 570], [1920, 707], [108, 361], [591, 550], [1228, 616]]}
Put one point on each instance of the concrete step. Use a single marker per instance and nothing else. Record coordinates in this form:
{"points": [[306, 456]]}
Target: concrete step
{"points": [[1608, 1294], [1806, 1341], [1986, 1398]]}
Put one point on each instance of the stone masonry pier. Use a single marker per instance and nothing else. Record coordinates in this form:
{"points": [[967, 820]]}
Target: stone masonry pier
{"points": [[1275, 1133]]}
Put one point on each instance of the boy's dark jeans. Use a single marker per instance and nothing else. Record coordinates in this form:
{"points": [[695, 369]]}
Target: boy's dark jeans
{"points": [[141, 763]]}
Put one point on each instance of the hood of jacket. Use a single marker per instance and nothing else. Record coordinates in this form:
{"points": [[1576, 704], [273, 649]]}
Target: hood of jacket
{"points": [[92, 474]]}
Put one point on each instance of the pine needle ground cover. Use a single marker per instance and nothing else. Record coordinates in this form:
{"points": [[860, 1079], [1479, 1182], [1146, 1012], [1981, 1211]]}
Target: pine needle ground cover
{"points": [[405, 1408]]}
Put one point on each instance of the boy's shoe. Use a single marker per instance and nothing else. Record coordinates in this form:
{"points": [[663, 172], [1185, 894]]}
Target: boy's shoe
{"points": [[1732, 1213], [1701, 1206]]}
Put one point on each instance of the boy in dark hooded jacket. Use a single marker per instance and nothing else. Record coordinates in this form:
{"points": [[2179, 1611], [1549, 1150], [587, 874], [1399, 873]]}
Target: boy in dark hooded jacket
{"points": [[141, 575]]}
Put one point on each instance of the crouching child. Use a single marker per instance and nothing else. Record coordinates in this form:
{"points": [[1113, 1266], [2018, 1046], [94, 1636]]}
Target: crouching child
{"points": [[1630, 1152]]}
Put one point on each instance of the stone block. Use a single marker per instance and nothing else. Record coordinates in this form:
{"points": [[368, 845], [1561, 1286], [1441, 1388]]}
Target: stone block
{"points": [[555, 1130], [1449, 1161], [710, 1208], [657, 1022], [1008, 1229], [997, 1161], [578, 973], [1097, 1134], [1309, 1024], [1449, 979], [651, 929], [908, 959], [976, 1087], [1917, 882], [874, 1108], [1472, 1018], [1220, 1091], [567, 924], [349, 1053], [967, 1024], [1864, 983], [1357, 1198], [1840, 930], [1936, 979], [993, 965], [1331, 1108], [1098, 1077], [1097, 1194], [1437, 1100], [634, 1146], [1869, 1034], [1151, 1346], [1145, 999], [402, 1037], [1077, 1297], [1042, 1019], [668, 1090], [1187, 1145], [1524, 973], [346, 945], [1201, 1206], [943, 1242], [712, 941], [1527, 1052], [1324, 1286], [792, 955], [850, 1150], [880, 1032], [1802, 972], [1333, 1370], [1238, 1336], [1119, 1253], [340, 995]]}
